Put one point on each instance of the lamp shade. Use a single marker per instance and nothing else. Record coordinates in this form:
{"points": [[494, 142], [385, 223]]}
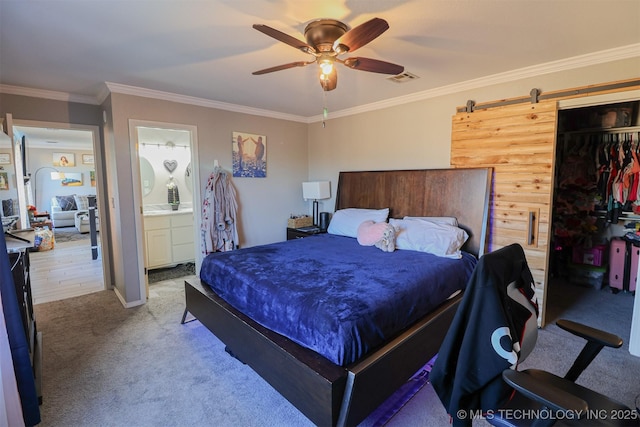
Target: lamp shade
{"points": [[316, 190]]}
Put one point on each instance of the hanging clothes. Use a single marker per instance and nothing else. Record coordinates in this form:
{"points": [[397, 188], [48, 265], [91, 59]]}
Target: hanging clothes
{"points": [[618, 172], [219, 207]]}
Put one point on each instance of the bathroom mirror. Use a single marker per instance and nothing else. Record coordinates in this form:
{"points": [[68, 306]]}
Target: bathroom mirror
{"points": [[188, 178], [147, 176]]}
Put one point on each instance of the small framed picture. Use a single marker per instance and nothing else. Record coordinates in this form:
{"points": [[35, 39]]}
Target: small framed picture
{"points": [[249, 155], [71, 179], [64, 159], [87, 159], [4, 181], [5, 158]]}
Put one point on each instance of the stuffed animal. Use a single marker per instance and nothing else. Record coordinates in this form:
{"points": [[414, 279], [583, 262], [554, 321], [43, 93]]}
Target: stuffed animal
{"points": [[379, 234]]}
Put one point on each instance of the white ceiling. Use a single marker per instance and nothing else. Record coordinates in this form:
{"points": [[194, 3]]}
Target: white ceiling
{"points": [[207, 49]]}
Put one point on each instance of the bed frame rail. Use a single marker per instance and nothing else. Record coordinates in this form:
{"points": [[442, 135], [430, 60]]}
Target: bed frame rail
{"points": [[326, 393], [394, 364], [304, 378]]}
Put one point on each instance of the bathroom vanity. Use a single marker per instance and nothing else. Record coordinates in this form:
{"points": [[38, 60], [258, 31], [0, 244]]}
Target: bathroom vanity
{"points": [[169, 238]]}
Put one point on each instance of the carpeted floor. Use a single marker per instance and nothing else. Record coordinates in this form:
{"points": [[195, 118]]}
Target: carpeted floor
{"points": [[110, 366], [180, 270]]}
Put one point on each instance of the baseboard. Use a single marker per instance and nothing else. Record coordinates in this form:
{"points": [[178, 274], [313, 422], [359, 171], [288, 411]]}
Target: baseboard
{"points": [[126, 304]]}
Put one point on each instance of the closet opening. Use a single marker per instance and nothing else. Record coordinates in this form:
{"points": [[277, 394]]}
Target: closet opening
{"points": [[595, 235]]}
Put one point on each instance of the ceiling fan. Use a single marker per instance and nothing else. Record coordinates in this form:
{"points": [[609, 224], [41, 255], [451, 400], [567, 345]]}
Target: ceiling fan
{"points": [[326, 40]]}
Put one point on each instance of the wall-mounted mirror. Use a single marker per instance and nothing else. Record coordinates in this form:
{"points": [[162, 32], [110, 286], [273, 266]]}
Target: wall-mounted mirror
{"points": [[147, 176]]}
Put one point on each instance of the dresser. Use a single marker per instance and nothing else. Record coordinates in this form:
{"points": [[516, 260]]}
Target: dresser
{"points": [[29, 380]]}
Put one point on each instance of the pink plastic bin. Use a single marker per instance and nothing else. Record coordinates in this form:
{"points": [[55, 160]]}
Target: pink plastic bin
{"points": [[589, 256], [617, 253], [633, 272]]}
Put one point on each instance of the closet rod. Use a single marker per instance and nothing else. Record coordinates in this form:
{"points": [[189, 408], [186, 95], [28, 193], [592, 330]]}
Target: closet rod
{"points": [[629, 129]]}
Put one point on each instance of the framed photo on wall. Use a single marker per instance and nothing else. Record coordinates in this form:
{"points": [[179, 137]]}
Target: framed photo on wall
{"points": [[5, 158], [249, 153], [87, 159], [64, 159], [4, 181], [70, 179]]}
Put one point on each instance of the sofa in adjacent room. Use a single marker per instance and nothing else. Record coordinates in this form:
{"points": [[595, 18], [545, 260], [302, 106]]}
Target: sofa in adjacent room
{"points": [[82, 221], [64, 209]]}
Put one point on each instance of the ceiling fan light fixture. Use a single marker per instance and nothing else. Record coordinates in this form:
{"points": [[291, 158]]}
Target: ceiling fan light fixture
{"points": [[326, 65], [328, 81]]}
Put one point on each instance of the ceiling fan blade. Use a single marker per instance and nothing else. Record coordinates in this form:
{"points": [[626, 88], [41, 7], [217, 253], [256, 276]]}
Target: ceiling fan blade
{"points": [[284, 38], [373, 65], [282, 67], [360, 35]]}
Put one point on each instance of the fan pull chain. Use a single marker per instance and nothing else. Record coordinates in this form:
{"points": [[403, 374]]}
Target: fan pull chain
{"points": [[325, 110]]}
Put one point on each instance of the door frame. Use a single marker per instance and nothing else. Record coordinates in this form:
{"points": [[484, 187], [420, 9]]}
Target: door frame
{"points": [[138, 198], [101, 186]]}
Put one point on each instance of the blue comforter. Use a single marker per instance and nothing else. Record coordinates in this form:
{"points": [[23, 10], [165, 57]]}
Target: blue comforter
{"points": [[330, 294]]}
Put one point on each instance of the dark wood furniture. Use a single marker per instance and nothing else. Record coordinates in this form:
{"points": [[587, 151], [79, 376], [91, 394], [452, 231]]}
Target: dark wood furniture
{"points": [[299, 233], [39, 216], [18, 251], [41, 223], [326, 393]]}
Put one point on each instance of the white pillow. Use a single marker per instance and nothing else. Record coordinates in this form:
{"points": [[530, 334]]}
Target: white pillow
{"points": [[426, 236], [82, 202], [448, 220], [345, 222]]}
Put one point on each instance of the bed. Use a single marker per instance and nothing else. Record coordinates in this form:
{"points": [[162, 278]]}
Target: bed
{"points": [[344, 391]]}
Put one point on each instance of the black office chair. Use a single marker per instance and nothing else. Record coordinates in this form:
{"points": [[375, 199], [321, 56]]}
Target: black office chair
{"points": [[494, 330], [560, 398]]}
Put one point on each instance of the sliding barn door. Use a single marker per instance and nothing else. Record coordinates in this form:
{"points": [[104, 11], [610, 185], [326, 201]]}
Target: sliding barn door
{"points": [[518, 142]]}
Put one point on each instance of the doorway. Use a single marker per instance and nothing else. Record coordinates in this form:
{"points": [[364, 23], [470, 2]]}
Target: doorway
{"points": [[596, 144], [63, 170], [168, 199]]}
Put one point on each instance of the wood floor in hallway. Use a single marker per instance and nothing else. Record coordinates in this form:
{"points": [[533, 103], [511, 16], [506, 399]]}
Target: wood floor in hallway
{"points": [[66, 271]]}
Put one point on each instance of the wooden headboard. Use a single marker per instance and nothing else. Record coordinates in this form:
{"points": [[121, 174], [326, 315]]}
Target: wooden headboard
{"points": [[460, 193]]}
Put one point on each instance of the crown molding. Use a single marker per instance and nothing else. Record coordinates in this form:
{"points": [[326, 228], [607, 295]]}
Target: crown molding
{"points": [[48, 94], [610, 55], [620, 53], [191, 100]]}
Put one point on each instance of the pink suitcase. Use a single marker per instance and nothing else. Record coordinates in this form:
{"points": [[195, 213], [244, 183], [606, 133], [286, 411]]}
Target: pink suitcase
{"points": [[633, 271], [617, 257]]}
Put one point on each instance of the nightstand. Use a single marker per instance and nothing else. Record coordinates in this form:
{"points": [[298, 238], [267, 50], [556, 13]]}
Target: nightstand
{"points": [[299, 233]]}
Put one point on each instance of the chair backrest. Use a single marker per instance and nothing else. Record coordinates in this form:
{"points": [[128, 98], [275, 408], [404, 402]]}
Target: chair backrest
{"points": [[530, 336]]}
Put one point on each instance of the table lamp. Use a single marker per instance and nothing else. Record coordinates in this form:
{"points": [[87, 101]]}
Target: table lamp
{"points": [[316, 190]]}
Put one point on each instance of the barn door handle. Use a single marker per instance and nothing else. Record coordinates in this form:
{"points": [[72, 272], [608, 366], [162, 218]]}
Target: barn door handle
{"points": [[532, 227], [532, 223]]}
